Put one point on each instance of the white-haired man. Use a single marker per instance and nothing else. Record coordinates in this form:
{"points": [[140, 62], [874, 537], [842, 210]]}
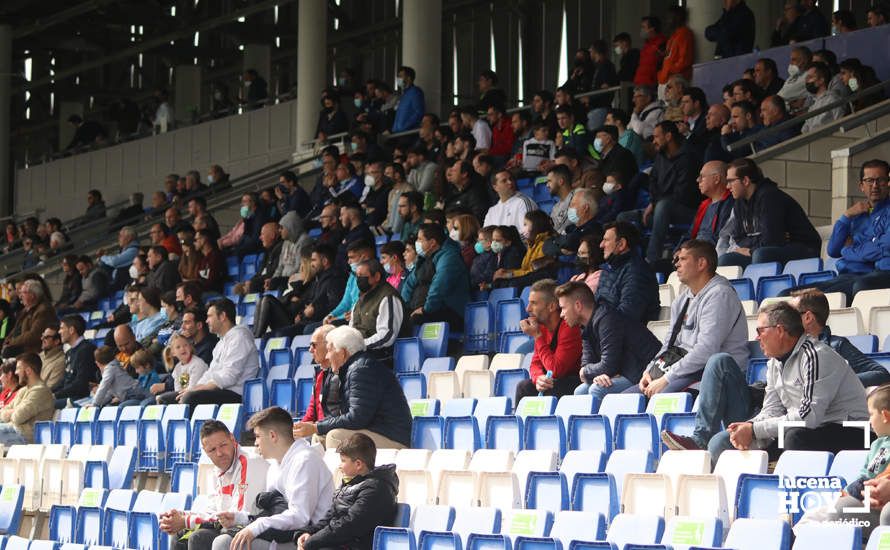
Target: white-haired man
{"points": [[371, 400]]}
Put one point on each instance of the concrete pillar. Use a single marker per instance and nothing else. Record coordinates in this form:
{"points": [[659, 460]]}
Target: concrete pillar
{"points": [[259, 57], [765, 16], [701, 14], [312, 44], [186, 92], [66, 130], [6, 173], [422, 47]]}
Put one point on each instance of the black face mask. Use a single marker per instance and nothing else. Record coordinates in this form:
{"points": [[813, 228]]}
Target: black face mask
{"points": [[582, 263], [363, 284], [180, 306], [811, 88]]}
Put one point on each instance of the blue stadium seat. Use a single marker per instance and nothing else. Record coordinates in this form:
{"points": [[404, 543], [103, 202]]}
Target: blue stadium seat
{"points": [[434, 339], [106, 425], [43, 545], [43, 432], [462, 432], [759, 496], [547, 491], [437, 364], [682, 532], [233, 267], [770, 287], [115, 529], [744, 288], [230, 415], [637, 431], [663, 403], [413, 384], [536, 543], [866, 343], [516, 342], [255, 396], [583, 545], [569, 526], [478, 326], [184, 478], [388, 538], [282, 371], [757, 370], [766, 269], [284, 394], [545, 433], [499, 294], [63, 433], [249, 266], [459, 407], [490, 406], [435, 518], [62, 520], [754, 350], [403, 515], [424, 407], [304, 390], [178, 442], [506, 380], [525, 294], [408, 355], [847, 465], [635, 529], [803, 463], [590, 433], [798, 267], [88, 528], [11, 499], [439, 540], [595, 493], [678, 423], [427, 432], [815, 277], [95, 474], [478, 541], [621, 403], [828, 536], [121, 467], [508, 315], [504, 433]]}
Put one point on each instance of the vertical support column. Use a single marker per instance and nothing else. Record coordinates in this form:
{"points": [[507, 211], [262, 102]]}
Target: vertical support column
{"points": [[422, 47], [701, 14], [312, 46], [6, 173], [186, 92], [765, 16]]}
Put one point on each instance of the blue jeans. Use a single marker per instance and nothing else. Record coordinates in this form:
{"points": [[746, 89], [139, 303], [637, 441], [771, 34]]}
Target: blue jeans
{"points": [[10, 436], [619, 384], [666, 211], [781, 254], [723, 398]]}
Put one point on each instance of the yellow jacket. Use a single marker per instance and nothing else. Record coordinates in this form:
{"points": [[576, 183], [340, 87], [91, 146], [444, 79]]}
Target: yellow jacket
{"points": [[534, 252]]}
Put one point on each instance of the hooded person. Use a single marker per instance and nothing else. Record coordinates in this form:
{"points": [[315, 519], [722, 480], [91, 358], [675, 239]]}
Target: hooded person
{"points": [[293, 239]]}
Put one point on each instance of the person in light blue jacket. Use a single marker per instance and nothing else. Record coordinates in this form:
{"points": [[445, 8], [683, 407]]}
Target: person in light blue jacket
{"points": [[412, 105]]}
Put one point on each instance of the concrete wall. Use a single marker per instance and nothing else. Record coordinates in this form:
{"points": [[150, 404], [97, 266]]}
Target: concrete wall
{"points": [[846, 163], [240, 144], [806, 172]]}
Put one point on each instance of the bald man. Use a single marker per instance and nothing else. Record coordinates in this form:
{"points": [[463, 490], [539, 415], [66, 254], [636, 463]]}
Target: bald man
{"points": [[718, 115], [261, 280], [715, 209]]}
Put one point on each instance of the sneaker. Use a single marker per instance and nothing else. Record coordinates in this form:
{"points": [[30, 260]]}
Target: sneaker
{"points": [[677, 442]]}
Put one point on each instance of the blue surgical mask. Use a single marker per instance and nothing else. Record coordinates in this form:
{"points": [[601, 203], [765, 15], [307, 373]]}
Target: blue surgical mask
{"points": [[354, 146], [387, 268], [598, 145], [245, 212], [353, 267], [478, 247], [419, 249], [572, 214], [357, 102]]}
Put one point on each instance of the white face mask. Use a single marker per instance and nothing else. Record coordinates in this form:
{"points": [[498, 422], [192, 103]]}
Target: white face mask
{"points": [[134, 272], [609, 187], [454, 234], [618, 50], [369, 181], [400, 82], [793, 70]]}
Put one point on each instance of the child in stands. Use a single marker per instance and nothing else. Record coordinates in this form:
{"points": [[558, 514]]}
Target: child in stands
{"points": [[188, 370], [116, 386]]}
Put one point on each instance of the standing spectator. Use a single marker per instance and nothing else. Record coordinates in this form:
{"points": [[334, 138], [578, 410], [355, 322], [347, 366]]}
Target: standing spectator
{"points": [[768, 224], [629, 57], [331, 120], [557, 356], [37, 314], [80, 366], [817, 80], [680, 50], [257, 89], [87, 132], [511, 206], [604, 76], [489, 93], [812, 22], [734, 31], [647, 70], [626, 282], [442, 280], [235, 359], [52, 356], [647, 112], [411, 105], [371, 403], [877, 16], [501, 134], [163, 119], [32, 403]]}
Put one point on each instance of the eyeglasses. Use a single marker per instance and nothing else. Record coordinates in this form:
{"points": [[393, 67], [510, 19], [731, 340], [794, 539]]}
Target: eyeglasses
{"points": [[875, 181], [761, 330], [730, 180], [48, 336]]}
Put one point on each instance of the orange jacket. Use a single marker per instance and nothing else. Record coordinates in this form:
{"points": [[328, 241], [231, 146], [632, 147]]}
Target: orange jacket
{"points": [[679, 55]]}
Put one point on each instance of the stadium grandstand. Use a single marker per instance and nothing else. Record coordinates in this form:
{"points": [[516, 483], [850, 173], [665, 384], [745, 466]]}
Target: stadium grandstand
{"points": [[444, 275]]}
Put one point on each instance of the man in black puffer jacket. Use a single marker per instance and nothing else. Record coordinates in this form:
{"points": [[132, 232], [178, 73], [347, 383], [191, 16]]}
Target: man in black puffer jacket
{"points": [[371, 400], [627, 283], [366, 500]]}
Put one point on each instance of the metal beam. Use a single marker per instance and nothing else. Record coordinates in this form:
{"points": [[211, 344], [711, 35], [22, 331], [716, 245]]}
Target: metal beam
{"points": [[153, 43], [60, 17]]}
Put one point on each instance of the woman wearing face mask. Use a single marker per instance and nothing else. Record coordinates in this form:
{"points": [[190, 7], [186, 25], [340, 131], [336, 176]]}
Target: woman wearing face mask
{"points": [[463, 229], [138, 269], [331, 120], [588, 261], [537, 228], [393, 263], [856, 77], [485, 262]]}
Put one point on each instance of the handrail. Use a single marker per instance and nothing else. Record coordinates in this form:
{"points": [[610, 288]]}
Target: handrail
{"points": [[795, 121]]}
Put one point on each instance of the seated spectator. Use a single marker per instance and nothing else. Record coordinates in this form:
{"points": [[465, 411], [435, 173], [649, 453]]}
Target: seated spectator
{"points": [[715, 210], [557, 355], [773, 113], [813, 307], [614, 157], [374, 198], [391, 256], [293, 241], [235, 359], [71, 285], [464, 192], [116, 386], [485, 262], [477, 128], [817, 80], [172, 220], [188, 370], [794, 91], [149, 318], [441, 284], [856, 77], [291, 196], [231, 494], [51, 356], [197, 209], [32, 403], [118, 264], [80, 365], [379, 312], [707, 325], [325, 401], [806, 382], [125, 341], [717, 117], [331, 120], [357, 230], [244, 238], [366, 500], [161, 236], [262, 279], [465, 229], [194, 327], [217, 178], [331, 230], [138, 270], [672, 190], [615, 349], [511, 206], [172, 323], [536, 264], [36, 315], [371, 401], [588, 260], [303, 481], [766, 76], [768, 225], [7, 321], [647, 112], [9, 381], [626, 282], [742, 124], [877, 16], [572, 134], [410, 212], [346, 182], [582, 222], [627, 138], [163, 274], [212, 269], [188, 262], [559, 183], [671, 94]]}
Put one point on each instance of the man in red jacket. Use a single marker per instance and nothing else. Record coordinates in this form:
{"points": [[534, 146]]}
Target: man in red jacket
{"points": [[326, 392], [557, 357], [652, 52]]}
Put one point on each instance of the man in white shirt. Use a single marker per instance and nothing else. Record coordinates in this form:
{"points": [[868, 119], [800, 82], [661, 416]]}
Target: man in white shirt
{"points": [[235, 360], [647, 113], [238, 480], [303, 479], [478, 127], [511, 206]]}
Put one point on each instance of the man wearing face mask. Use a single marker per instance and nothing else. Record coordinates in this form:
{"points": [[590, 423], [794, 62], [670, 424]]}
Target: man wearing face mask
{"points": [[217, 177], [581, 214], [411, 105], [817, 80], [331, 120], [244, 238], [375, 195], [356, 253], [291, 197], [794, 90], [379, 312], [257, 89]]}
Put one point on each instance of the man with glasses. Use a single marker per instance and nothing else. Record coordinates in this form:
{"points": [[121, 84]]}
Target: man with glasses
{"points": [[860, 236], [714, 211], [52, 356]]}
